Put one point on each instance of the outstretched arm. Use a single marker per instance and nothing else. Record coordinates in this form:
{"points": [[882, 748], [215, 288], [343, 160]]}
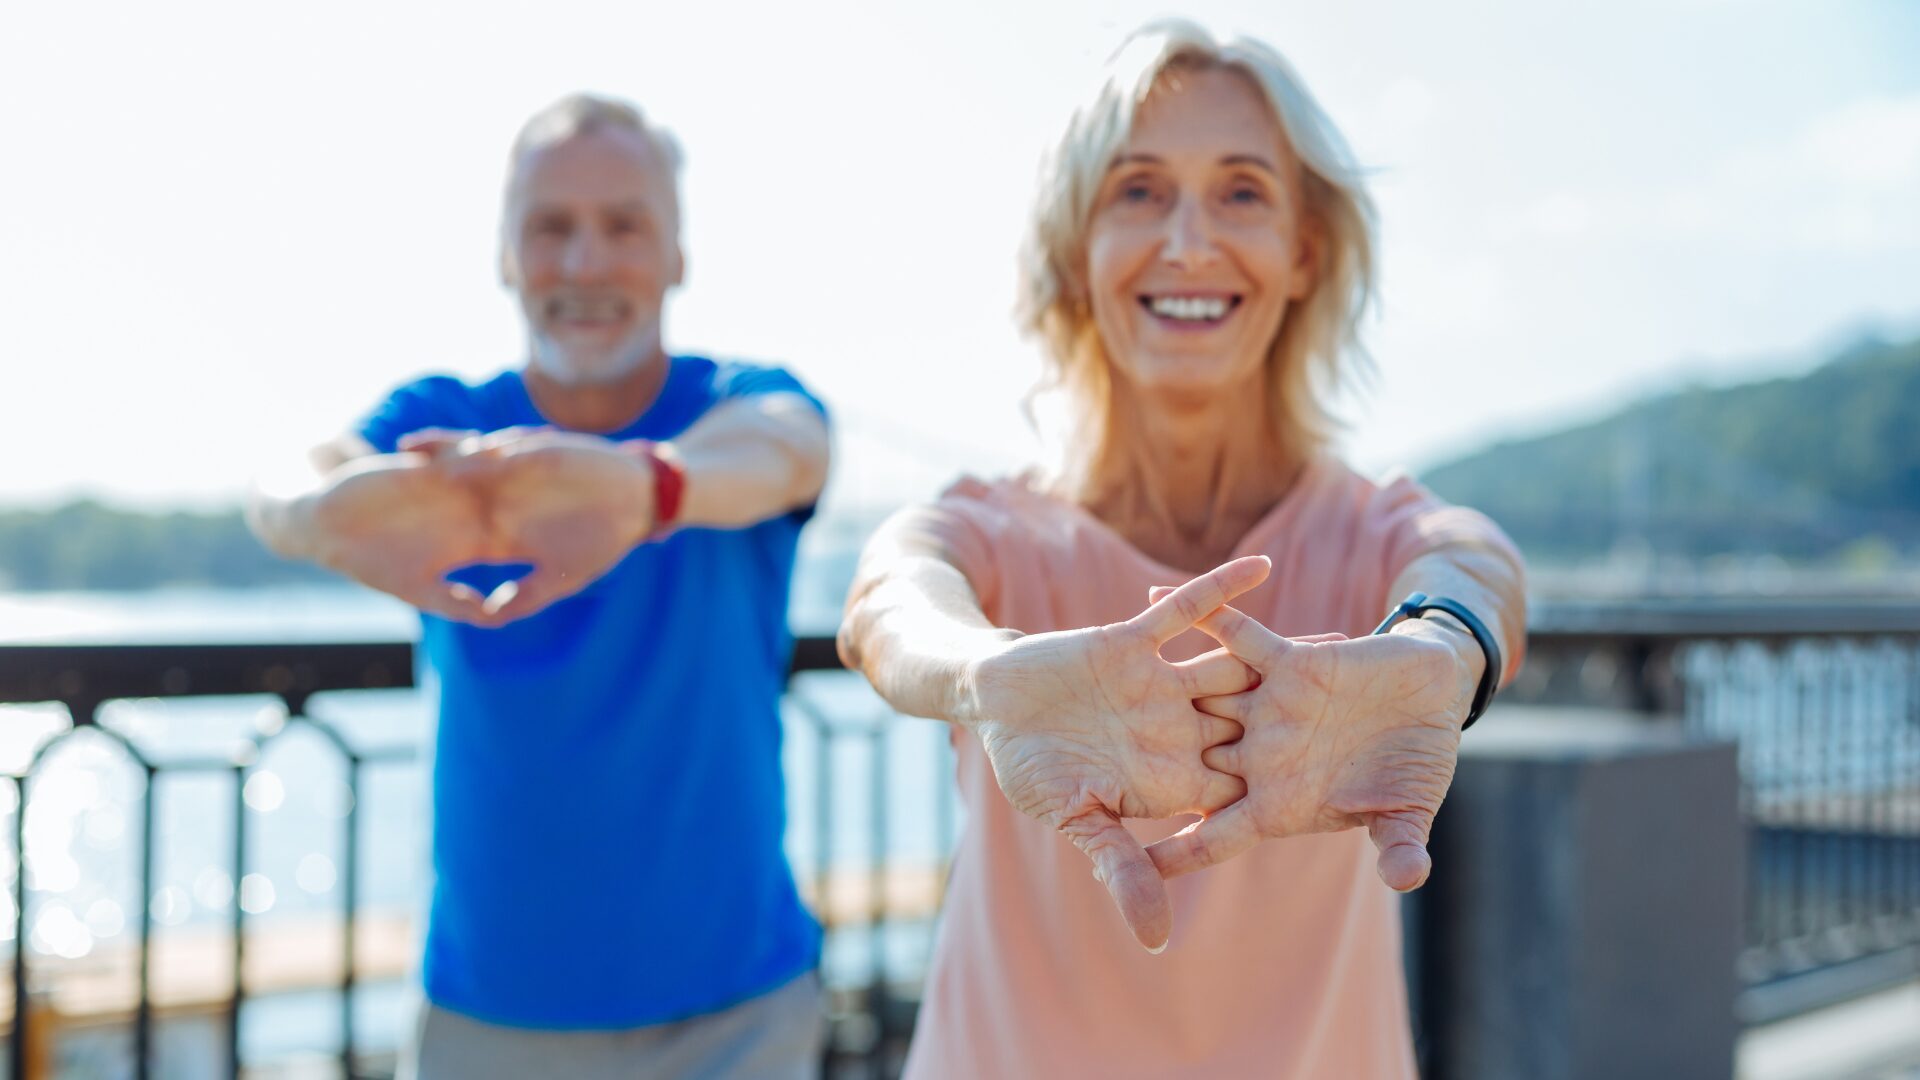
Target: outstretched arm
{"points": [[390, 521], [573, 505], [913, 625], [1490, 581], [751, 458], [280, 506]]}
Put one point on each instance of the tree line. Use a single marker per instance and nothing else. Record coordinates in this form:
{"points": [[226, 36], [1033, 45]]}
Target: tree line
{"points": [[1807, 467]]}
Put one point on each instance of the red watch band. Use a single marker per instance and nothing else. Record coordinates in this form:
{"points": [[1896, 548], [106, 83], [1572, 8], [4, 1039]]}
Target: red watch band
{"points": [[669, 483], [669, 487]]}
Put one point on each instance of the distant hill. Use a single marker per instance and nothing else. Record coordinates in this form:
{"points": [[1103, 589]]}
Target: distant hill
{"points": [[1803, 467], [86, 545], [1807, 467]]}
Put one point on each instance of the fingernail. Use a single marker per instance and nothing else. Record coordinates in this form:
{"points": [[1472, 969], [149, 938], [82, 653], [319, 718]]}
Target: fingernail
{"points": [[1162, 948]]}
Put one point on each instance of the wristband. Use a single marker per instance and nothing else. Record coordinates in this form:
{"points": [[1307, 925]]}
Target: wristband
{"points": [[669, 485], [1417, 603]]}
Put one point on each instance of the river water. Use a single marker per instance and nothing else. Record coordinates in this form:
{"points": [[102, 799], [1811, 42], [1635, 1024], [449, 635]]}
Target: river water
{"points": [[83, 831]]}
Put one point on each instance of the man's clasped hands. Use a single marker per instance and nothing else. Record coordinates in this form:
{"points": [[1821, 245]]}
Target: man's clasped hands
{"points": [[568, 504]]}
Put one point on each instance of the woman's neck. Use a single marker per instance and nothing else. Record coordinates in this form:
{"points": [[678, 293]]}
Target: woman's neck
{"points": [[1186, 479]]}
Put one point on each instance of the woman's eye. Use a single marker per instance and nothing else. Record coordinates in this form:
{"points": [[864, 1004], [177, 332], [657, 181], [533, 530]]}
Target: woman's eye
{"points": [[1246, 196], [1138, 190]]}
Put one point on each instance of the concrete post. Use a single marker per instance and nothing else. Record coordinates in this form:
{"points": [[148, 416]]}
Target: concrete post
{"points": [[1584, 914]]}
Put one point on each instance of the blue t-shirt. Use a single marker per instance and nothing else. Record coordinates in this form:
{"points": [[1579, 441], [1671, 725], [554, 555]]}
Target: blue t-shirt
{"points": [[608, 800]]}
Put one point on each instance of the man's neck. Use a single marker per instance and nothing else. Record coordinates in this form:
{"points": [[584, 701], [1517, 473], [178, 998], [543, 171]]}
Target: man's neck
{"points": [[598, 408]]}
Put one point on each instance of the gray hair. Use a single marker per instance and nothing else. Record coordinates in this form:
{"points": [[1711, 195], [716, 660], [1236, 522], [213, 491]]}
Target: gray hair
{"points": [[585, 114]]}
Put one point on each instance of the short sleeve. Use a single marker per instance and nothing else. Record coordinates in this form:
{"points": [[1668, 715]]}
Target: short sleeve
{"points": [[1415, 522], [735, 380], [434, 401], [963, 524]]}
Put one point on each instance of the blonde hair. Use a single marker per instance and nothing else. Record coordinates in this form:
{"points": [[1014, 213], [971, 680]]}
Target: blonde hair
{"points": [[1317, 348]]}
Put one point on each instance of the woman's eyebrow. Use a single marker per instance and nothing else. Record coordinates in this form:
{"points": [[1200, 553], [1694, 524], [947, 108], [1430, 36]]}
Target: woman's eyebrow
{"points": [[1250, 159], [1230, 159]]}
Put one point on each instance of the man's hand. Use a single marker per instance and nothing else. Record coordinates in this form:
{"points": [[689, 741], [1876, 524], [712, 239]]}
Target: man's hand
{"points": [[398, 523], [572, 505], [1085, 727], [1338, 733]]}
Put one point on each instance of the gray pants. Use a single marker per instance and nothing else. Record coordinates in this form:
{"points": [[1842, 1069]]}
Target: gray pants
{"points": [[776, 1036]]}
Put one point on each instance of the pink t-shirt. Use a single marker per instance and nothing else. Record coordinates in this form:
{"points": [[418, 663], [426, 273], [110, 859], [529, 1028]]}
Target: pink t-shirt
{"points": [[1284, 962]]}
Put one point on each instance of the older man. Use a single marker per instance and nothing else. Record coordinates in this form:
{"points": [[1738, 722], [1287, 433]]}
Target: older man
{"points": [[601, 544]]}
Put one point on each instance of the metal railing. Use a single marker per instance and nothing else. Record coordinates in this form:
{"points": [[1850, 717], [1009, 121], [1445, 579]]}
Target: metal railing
{"points": [[83, 678], [877, 914], [1825, 704]]}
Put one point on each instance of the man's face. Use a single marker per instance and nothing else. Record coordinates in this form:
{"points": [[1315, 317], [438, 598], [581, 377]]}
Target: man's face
{"points": [[592, 246]]}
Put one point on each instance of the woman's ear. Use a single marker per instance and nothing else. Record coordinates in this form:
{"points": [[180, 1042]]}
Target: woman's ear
{"points": [[1309, 253], [1074, 296]]}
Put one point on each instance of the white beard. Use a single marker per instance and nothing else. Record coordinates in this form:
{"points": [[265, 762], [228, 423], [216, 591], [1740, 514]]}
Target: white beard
{"points": [[571, 365]]}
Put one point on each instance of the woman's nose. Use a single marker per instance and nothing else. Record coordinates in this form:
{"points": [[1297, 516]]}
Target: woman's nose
{"points": [[1190, 240]]}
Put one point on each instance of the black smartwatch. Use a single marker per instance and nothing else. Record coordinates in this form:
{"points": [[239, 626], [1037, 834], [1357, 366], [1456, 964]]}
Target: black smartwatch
{"points": [[1419, 603]]}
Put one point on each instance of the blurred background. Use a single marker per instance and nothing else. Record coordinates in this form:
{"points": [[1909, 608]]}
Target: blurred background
{"points": [[1651, 299]]}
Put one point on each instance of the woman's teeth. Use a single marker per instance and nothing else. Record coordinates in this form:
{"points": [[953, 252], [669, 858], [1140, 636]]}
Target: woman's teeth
{"points": [[1189, 308]]}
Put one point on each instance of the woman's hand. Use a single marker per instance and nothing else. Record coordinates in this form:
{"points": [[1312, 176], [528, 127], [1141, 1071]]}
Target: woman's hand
{"points": [[1085, 727], [1338, 734]]}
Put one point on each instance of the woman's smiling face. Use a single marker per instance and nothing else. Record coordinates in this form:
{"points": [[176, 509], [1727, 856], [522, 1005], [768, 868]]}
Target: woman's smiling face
{"points": [[1197, 244]]}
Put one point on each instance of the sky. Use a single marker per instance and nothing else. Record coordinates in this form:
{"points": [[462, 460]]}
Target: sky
{"points": [[226, 230]]}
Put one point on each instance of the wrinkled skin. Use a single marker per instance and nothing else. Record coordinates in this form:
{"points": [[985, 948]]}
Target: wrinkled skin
{"points": [[1338, 734], [1085, 727]]}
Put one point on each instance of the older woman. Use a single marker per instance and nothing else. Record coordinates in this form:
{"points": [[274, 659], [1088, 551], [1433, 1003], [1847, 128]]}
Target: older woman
{"points": [[1199, 254]]}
